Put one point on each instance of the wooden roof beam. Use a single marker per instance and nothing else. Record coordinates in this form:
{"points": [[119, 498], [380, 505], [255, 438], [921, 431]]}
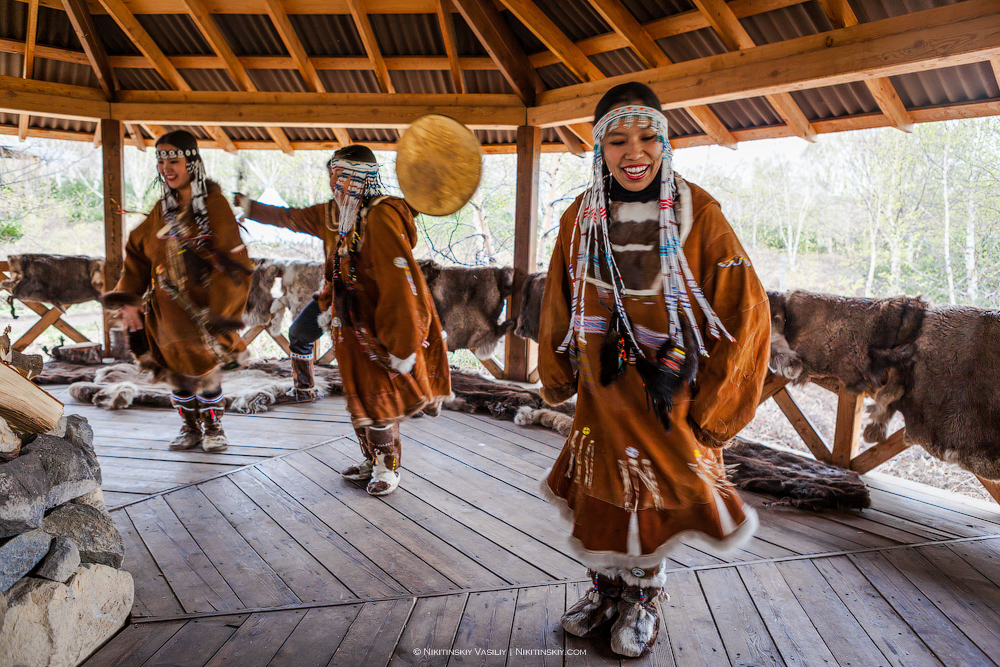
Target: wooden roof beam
{"points": [[736, 38], [451, 45], [499, 41], [963, 33], [138, 35], [210, 30], [528, 13], [294, 45], [364, 27], [343, 137], [28, 65], [572, 142], [626, 25], [83, 25], [135, 134]]}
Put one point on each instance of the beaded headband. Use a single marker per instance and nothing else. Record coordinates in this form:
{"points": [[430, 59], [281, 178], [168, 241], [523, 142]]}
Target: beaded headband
{"points": [[188, 152]]}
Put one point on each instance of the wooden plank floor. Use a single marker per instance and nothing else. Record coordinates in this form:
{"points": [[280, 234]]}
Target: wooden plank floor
{"points": [[265, 556]]}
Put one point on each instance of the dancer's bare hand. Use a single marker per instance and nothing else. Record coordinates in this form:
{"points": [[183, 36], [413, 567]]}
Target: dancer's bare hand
{"points": [[132, 316]]}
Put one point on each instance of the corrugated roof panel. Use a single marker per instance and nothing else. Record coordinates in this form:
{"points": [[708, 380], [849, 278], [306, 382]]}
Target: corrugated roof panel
{"points": [[363, 135], [140, 79], [279, 80], [13, 20], [875, 10], [196, 130], [619, 61], [836, 101], [966, 83], [645, 11], [529, 43], [786, 23], [54, 29], [310, 134], [466, 41], [692, 45], [746, 114], [250, 34], [557, 75], [247, 133], [482, 81], [116, 42], [680, 123], [407, 34], [71, 73], [495, 137], [209, 79], [328, 35], [11, 64], [576, 20], [422, 81], [349, 81], [175, 34], [42, 123]]}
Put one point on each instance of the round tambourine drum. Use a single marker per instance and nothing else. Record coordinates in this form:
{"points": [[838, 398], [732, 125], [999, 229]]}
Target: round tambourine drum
{"points": [[438, 164]]}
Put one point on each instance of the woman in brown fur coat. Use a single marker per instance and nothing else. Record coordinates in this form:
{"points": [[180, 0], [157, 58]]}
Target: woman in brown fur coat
{"points": [[654, 317], [183, 289]]}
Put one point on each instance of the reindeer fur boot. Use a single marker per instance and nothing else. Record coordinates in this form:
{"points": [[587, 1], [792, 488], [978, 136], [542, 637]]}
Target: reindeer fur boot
{"points": [[212, 409], [387, 448], [190, 435], [302, 375], [363, 469], [596, 608], [638, 622]]}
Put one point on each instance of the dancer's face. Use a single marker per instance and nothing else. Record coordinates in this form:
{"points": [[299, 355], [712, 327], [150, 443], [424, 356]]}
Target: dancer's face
{"points": [[173, 169], [632, 155], [335, 173]]}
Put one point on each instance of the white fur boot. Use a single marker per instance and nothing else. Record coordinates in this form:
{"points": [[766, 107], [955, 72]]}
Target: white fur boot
{"points": [[597, 607], [384, 479], [638, 622]]}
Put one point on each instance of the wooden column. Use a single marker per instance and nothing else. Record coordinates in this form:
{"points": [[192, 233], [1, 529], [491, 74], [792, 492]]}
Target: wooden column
{"points": [[522, 354], [114, 197]]}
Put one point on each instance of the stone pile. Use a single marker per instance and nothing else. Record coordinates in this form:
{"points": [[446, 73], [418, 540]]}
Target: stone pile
{"points": [[62, 589]]}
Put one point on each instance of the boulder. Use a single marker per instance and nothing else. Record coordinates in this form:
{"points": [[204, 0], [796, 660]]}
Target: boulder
{"points": [[24, 494], [20, 554], [3, 609], [92, 530], [61, 562], [78, 432], [58, 625], [72, 470], [94, 498], [10, 443]]}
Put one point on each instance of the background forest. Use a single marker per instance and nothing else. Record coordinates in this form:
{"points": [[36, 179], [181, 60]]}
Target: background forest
{"points": [[866, 213]]}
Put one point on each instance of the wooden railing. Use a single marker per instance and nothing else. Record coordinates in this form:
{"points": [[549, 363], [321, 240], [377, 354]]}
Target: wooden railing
{"points": [[847, 434]]}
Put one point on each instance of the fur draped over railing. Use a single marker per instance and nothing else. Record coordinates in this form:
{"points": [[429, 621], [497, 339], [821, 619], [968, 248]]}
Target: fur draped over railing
{"points": [[55, 279]]}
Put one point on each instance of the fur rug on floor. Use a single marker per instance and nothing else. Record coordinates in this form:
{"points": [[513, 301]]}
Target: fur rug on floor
{"points": [[247, 390], [62, 372]]}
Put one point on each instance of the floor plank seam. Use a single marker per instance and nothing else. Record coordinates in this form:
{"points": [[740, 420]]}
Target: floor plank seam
{"points": [[224, 474]]}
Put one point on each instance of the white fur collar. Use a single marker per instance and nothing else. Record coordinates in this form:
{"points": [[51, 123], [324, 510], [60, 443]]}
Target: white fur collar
{"points": [[643, 211]]}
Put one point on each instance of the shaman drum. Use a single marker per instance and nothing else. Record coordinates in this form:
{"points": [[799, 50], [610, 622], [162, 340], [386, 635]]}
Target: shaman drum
{"points": [[438, 164]]}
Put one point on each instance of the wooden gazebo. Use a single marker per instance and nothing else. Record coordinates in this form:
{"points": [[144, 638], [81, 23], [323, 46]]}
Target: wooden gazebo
{"points": [[524, 74]]}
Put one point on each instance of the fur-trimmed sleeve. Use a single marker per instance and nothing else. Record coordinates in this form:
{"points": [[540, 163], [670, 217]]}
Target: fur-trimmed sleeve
{"points": [[311, 220], [137, 269], [731, 379], [554, 368]]}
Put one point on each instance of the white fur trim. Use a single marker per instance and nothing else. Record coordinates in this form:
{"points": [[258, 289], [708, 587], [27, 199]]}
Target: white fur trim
{"points": [[596, 559], [484, 352], [632, 247], [638, 211], [324, 319], [404, 365]]}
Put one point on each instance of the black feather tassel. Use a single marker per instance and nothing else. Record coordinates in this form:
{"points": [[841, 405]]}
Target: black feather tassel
{"points": [[663, 376], [615, 350]]}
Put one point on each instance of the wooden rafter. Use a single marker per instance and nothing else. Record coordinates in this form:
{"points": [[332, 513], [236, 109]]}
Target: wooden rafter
{"points": [[952, 35], [499, 41], [533, 18], [83, 25], [842, 16], [28, 67], [210, 30], [451, 45], [585, 132], [364, 27], [135, 134], [138, 35], [735, 37], [96, 136], [626, 25], [572, 141], [279, 17]]}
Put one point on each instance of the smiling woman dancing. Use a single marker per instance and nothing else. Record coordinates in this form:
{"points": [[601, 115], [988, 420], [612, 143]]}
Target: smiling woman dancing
{"points": [[183, 289], [654, 316]]}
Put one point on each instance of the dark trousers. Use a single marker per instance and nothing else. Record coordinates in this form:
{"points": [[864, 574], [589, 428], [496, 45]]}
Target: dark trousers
{"points": [[305, 330]]}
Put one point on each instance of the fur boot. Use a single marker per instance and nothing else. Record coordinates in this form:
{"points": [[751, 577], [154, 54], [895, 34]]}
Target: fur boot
{"points": [[190, 435], [387, 448], [215, 439], [598, 607], [363, 469], [638, 622], [302, 374]]}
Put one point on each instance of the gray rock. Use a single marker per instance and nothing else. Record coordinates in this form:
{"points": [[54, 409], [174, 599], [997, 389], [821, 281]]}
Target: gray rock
{"points": [[62, 560], [72, 470], [24, 494], [95, 499], [54, 624], [93, 531], [3, 610], [20, 554], [78, 432]]}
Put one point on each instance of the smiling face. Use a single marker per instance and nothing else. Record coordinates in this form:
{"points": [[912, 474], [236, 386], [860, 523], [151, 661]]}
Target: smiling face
{"points": [[632, 155], [173, 169]]}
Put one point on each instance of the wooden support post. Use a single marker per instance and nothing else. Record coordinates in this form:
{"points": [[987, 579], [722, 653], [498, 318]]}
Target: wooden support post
{"points": [[847, 436], [521, 354], [114, 199]]}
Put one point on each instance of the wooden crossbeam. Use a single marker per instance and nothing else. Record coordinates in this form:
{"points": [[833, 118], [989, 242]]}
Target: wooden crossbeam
{"points": [[535, 20], [880, 453], [572, 141], [364, 27], [279, 17], [800, 422], [451, 45], [83, 25], [735, 37], [136, 135]]}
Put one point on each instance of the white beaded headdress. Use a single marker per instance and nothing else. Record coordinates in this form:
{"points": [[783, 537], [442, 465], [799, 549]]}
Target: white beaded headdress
{"points": [[358, 182]]}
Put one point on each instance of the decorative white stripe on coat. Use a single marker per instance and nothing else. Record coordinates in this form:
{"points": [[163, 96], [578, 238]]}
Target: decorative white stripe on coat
{"points": [[632, 247], [638, 211]]}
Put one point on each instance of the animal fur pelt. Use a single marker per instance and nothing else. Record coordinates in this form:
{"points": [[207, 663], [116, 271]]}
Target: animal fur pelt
{"points": [[261, 296], [62, 279], [794, 480], [299, 282], [503, 400], [530, 315], [60, 372], [248, 390]]}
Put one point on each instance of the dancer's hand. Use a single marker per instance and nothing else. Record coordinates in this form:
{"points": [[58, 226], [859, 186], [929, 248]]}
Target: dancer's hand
{"points": [[132, 316], [403, 365], [242, 200]]}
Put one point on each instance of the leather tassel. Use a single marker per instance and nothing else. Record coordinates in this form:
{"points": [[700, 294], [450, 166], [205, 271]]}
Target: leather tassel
{"points": [[614, 351], [664, 376]]}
